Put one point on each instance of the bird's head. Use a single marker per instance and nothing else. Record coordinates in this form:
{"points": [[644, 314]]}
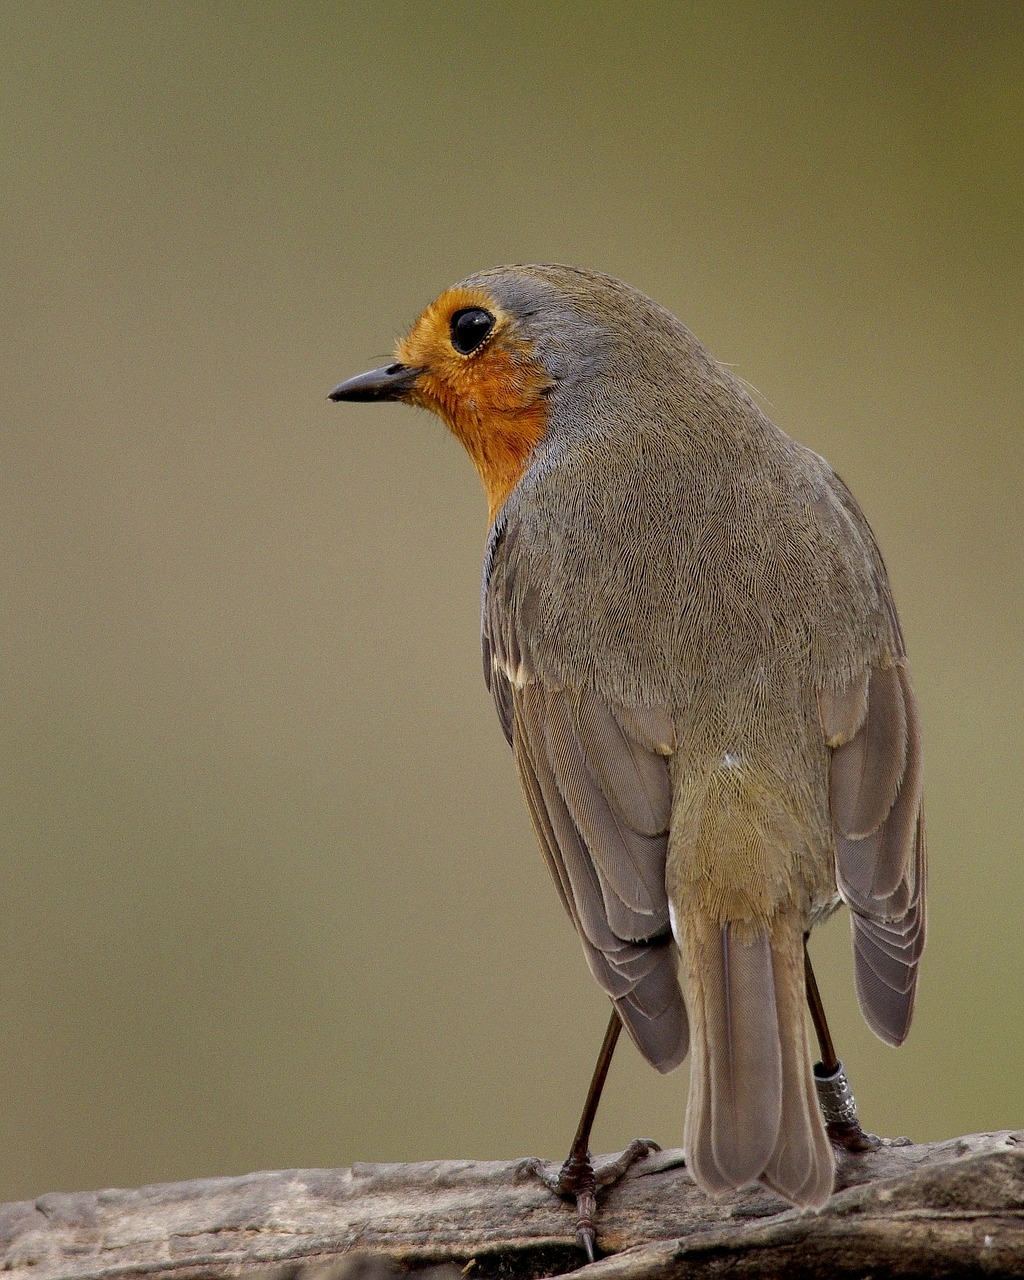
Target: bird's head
{"points": [[494, 356]]}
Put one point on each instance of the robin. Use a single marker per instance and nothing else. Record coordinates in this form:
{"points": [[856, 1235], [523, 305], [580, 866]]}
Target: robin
{"points": [[691, 642]]}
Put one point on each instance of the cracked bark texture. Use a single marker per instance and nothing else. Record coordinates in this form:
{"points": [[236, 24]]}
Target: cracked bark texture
{"points": [[940, 1209]]}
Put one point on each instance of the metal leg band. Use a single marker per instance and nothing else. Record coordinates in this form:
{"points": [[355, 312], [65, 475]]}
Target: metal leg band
{"points": [[838, 1104]]}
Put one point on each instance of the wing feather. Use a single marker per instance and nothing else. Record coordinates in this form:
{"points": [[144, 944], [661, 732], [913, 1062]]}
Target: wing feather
{"points": [[595, 777], [868, 768], [878, 823]]}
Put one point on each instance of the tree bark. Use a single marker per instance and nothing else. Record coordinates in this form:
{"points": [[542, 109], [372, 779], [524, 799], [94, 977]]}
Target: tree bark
{"points": [[940, 1209]]}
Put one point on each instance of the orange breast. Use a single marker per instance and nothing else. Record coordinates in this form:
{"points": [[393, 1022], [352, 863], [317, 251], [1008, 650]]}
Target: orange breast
{"points": [[493, 400]]}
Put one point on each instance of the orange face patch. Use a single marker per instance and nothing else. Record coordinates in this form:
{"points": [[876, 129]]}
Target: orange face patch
{"points": [[492, 399]]}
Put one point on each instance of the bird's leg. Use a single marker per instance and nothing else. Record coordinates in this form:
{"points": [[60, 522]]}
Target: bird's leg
{"points": [[577, 1177], [835, 1096]]}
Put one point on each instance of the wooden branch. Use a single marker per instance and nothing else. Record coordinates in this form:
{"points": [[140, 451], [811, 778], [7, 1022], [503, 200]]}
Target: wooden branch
{"points": [[946, 1208]]}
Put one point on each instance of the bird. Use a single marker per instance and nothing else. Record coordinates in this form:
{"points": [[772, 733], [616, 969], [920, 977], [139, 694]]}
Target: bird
{"points": [[691, 642]]}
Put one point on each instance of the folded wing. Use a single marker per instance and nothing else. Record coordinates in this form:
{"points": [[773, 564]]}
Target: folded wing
{"points": [[596, 781]]}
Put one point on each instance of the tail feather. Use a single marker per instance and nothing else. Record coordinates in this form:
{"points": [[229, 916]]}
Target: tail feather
{"points": [[697, 1139], [753, 1113], [744, 1062], [802, 1166]]}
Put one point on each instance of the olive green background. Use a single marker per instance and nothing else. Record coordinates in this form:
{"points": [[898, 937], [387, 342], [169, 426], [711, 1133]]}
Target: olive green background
{"points": [[269, 894]]}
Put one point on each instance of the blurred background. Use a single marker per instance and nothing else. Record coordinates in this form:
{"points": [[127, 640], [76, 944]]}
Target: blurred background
{"points": [[270, 897]]}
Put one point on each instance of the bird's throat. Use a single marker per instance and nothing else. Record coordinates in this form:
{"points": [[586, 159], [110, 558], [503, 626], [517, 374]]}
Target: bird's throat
{"points": [[499, 426], [500, 445]]}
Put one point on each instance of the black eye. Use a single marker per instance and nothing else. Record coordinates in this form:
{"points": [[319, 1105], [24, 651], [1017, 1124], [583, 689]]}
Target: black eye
{"points": [[469, 328]]}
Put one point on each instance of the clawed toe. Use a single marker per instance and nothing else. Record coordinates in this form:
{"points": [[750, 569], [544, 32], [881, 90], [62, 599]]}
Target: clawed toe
{"points": [[532, 1167], [577, 1180], [847, 1135], [610, 1173]]}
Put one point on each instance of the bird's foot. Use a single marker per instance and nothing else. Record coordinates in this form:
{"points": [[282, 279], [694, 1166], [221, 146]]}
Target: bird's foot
{"points": [[847, 1135], [578, 1180], [839, 1107]]}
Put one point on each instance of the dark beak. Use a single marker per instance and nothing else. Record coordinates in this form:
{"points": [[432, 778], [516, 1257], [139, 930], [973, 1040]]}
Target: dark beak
{"points": [[389, 383]]}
